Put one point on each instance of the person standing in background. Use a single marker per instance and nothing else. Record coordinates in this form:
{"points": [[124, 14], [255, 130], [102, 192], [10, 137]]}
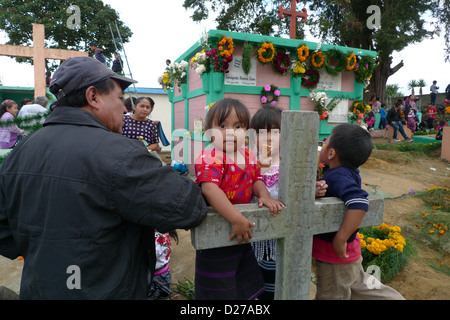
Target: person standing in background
{"points": [[98, 53], [434, 90]]}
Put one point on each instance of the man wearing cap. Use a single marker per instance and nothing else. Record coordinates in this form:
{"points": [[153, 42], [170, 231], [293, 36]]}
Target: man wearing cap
{"points": [[80, 202]]}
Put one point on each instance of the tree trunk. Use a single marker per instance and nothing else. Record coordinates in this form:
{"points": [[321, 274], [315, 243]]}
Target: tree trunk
{"points": [[377, 86]]}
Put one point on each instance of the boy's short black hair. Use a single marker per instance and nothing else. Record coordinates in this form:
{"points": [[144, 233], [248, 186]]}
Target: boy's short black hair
{"points": [[268, 117], [352, 143], [222, 108]]}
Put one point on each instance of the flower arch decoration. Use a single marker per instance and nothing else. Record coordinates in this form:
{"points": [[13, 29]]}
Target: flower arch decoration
{"points": [[282, 62], [351, 62], [311, 78], [227, 51], [340, 60], [270, 91], [318, 59], [302, 53], [266, 52]]}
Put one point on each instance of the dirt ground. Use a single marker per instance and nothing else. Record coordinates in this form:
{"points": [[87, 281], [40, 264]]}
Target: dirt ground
{"points": [[393, 179], [391, 176]]}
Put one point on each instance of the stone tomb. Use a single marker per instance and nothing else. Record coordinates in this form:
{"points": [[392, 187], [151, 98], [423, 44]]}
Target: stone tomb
{"points": [[303, 216], [188, 102], [445, 149]]}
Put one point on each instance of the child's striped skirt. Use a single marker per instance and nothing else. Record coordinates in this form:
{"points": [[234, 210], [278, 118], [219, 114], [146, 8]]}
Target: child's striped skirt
{"points": [[228, 273]]}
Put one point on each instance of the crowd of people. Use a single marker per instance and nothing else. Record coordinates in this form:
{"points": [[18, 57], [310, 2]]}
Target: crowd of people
{"points": [[406, 112], [11, 134]]}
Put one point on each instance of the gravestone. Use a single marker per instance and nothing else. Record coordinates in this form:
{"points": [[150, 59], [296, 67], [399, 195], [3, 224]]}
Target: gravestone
{"points": [[39, 53], [303, 216]]}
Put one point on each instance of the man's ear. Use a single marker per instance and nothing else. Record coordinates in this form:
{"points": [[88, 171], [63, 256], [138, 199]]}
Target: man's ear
{"points": [[92, 96]]}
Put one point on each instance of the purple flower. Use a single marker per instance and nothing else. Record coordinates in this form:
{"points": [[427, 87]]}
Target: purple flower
{"points": [[263, 99], [273, 103], [277, 93], [267, 88]]}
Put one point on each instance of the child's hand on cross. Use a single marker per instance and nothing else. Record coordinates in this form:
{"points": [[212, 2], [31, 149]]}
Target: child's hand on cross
{"points": [[321, 188], [275, 206]]}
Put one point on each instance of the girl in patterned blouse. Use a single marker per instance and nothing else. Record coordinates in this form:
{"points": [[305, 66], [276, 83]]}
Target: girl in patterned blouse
{"points": [[267, 125], [138, 126], [228, 174]]}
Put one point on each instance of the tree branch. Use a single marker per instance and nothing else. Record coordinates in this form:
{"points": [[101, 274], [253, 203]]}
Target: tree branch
{"points": [[396, 68]]}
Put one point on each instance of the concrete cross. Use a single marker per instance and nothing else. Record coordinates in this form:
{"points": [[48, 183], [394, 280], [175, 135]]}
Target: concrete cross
{"points": [[303, 217], [294, 14], [39, 53]]}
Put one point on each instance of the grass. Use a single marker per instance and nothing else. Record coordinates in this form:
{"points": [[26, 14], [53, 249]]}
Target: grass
{"points": [[411, 148], [186, 288], [433, 225]]}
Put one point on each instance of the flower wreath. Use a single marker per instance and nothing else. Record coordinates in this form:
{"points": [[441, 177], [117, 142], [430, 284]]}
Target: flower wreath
{"points": [[314, 57], [302, 53], [341, 62], [351, 62], [226, 53], [282, 62], [266, 52], [311, 78], [358, 110], [270, 90], [364, 69]]}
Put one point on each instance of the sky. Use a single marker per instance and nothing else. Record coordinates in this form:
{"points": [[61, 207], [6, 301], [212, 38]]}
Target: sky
{"points": [[164, 30]]}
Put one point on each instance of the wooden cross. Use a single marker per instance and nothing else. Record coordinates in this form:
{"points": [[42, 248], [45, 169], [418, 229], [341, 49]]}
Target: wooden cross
{"points": [[303, 217], [39, 53], [294, 14]]}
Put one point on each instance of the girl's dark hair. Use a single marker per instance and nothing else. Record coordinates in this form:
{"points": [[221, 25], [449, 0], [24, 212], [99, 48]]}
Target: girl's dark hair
{"points": [[352, 143], [6, 104], [138, 100], [78, 98], [268, 117], [128, 103], [222, 108], [407, 109]]}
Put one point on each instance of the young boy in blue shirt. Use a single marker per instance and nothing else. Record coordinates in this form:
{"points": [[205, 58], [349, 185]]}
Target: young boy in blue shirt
{"points": [[340, 275]]}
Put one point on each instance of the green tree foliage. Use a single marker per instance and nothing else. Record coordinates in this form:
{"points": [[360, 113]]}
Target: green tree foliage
{"points": [[443, 15], [17, 18], [341, 22], [393, 90], [248, 16]]}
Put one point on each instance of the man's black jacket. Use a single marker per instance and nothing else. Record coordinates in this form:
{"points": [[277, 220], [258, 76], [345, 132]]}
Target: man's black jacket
{"points": [[81, 203]]}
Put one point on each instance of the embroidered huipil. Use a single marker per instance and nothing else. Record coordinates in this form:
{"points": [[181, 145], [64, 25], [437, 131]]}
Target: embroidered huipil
{"points": [[212, 165], [267, 249]]}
